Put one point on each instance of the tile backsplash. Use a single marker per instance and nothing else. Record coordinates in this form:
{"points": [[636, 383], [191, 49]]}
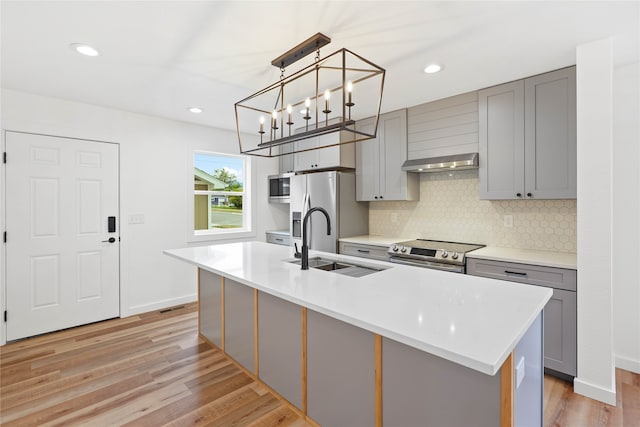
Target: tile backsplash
{"points": [[449, 209]]}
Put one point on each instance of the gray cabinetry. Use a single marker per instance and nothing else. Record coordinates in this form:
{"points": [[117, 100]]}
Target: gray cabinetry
{"points": [[560, 313], [333, 157], [364, 251], [527, 138], [280, 346], [238, 323], [379, 161], [286, 160], [340, 372], [424, 390], [210, 297]]}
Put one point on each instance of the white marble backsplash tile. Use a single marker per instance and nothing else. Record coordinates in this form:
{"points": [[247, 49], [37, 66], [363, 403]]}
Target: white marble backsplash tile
{"points": [[449, 209]]}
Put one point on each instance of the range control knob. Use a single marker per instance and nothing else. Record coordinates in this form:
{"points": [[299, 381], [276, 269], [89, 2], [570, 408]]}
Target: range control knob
{"points": [[403, 250], [455, 255], [395, 248], [445, 254]]}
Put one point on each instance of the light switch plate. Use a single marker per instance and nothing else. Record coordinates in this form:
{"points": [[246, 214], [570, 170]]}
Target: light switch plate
{"points": [[137, 218], [508, 221], [520, 372]]}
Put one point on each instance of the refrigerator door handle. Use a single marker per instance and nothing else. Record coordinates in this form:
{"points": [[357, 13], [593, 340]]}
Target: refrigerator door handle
{"points": [[310, 231]]}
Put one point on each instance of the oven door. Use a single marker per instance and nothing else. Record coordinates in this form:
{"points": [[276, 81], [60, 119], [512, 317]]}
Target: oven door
{"points": [[427, 264]]}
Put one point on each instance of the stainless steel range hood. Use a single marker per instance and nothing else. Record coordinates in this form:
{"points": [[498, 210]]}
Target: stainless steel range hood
{"points": [[443, 163]]}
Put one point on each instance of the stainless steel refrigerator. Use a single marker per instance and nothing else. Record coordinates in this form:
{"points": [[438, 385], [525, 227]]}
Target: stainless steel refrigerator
{"points": [[336, 193]]}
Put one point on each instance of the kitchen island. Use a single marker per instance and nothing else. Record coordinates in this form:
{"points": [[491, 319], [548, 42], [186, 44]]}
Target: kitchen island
{"points": [[401, 346]]}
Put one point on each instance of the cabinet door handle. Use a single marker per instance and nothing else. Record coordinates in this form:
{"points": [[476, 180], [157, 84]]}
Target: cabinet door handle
{"points": [[518, 194], [278, 240], [529, 195], [515, 273], [363, 251]]}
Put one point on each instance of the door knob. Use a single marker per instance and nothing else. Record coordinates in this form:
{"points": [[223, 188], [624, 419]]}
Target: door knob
{"points": [[110, 240]]}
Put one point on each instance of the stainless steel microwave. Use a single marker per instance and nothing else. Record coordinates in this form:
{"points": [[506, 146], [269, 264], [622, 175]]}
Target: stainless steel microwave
{"points": [[280, 188]]}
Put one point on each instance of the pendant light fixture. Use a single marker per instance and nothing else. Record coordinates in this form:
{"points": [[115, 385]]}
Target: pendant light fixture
{"points": [[323, 100]]}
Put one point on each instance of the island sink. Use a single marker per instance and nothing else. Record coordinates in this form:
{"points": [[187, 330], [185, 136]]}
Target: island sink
{"points": [[346, 269]]}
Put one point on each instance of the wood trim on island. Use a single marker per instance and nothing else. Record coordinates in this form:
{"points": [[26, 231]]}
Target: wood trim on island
{"points": [[378, 368], [506, 394]]}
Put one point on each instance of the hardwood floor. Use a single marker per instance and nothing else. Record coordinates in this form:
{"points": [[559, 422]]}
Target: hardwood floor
{"points": [[146, 370], [563, 408], [153, 370]]}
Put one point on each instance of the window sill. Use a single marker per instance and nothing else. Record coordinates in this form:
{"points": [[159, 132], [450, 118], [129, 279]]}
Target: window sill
{"points": [[220, 235]]}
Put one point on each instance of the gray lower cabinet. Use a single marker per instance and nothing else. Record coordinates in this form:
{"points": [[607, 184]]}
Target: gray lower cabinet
{"points": [[527, 138], [280, 346], [210, 297], [560, 313], [340, 373], [364, 251], [239, 323], [424, 390]]}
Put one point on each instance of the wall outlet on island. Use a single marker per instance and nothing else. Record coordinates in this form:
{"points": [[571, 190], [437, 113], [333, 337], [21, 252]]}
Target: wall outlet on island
{"points": [[507, 220]]}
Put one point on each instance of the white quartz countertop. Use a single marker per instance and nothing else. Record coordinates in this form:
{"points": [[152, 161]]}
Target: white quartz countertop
{"points": [[370, 239], [473, 321], [526, 256]]}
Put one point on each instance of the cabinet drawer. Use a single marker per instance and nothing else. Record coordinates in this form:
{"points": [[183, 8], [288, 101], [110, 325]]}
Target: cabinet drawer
{"points": [[279, 239], [364, 251], [551, 277]]}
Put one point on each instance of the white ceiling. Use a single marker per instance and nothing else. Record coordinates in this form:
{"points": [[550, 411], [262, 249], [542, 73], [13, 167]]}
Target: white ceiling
{"points": [[160, 57]]}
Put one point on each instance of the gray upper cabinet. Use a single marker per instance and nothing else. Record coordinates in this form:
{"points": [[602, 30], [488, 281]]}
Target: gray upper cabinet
{"points": [[286, 160], [528, 138], [379, 161], [334, 157]]}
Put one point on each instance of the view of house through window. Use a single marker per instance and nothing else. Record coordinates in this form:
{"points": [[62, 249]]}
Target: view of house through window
{"points": [[219, 192]]}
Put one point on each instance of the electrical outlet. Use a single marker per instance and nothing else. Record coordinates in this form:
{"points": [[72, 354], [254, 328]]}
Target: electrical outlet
{"points": [[520, 372], [507, 220], [394, 218]]}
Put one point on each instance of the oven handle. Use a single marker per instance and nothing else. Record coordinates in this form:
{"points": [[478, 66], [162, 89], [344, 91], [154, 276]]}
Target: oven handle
{"points": [[427, 264]]}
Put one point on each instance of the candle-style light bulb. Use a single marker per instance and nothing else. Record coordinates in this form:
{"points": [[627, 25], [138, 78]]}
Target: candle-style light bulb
{"points": [[349, 88], [261, 124], [274, 119], [289, 110], [307, 104], [327, 95]]}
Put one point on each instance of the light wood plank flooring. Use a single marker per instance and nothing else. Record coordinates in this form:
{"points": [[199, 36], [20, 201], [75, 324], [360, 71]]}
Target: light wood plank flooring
{"points": [[153, 370]]}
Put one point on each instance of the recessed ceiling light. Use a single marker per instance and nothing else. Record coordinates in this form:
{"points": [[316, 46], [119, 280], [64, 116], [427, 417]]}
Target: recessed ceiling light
{"points": [[433, 68], [84, 49], [195, 110]]}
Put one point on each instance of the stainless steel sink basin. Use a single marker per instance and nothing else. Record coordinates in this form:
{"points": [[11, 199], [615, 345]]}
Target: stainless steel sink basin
{"points": [[339, 267]]}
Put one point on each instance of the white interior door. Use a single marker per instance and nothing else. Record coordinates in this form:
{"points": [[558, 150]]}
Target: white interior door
{"points": [[62, 270]]}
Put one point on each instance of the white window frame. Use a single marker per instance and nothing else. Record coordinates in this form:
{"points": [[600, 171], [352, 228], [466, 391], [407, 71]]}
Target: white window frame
{"points": [[248, 207]]}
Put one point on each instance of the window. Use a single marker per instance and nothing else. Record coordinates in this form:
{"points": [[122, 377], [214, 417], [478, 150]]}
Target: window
{"points": [[221, 196]]}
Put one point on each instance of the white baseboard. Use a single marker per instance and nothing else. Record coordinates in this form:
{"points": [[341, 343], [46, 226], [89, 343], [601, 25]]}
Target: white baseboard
{"points": [[158, 305], [595, 392], [628, 364]]}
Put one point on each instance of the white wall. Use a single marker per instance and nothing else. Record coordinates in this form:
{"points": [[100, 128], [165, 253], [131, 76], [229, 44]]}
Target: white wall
{"points": [[626, 215], [155, 160], [596, 373]]}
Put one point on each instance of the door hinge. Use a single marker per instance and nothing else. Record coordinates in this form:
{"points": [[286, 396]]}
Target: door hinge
{"points": [[5, 315]]}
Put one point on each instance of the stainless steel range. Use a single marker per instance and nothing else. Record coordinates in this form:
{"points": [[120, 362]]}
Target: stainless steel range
{"points": [[436, 254]]}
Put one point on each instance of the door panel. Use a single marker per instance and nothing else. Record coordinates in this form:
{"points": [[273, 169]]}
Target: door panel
{"points": [[61, 270]]}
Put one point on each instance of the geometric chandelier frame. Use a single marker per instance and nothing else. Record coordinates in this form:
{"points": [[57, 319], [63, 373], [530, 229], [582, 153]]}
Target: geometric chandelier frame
{"points": [[322, 101]]}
